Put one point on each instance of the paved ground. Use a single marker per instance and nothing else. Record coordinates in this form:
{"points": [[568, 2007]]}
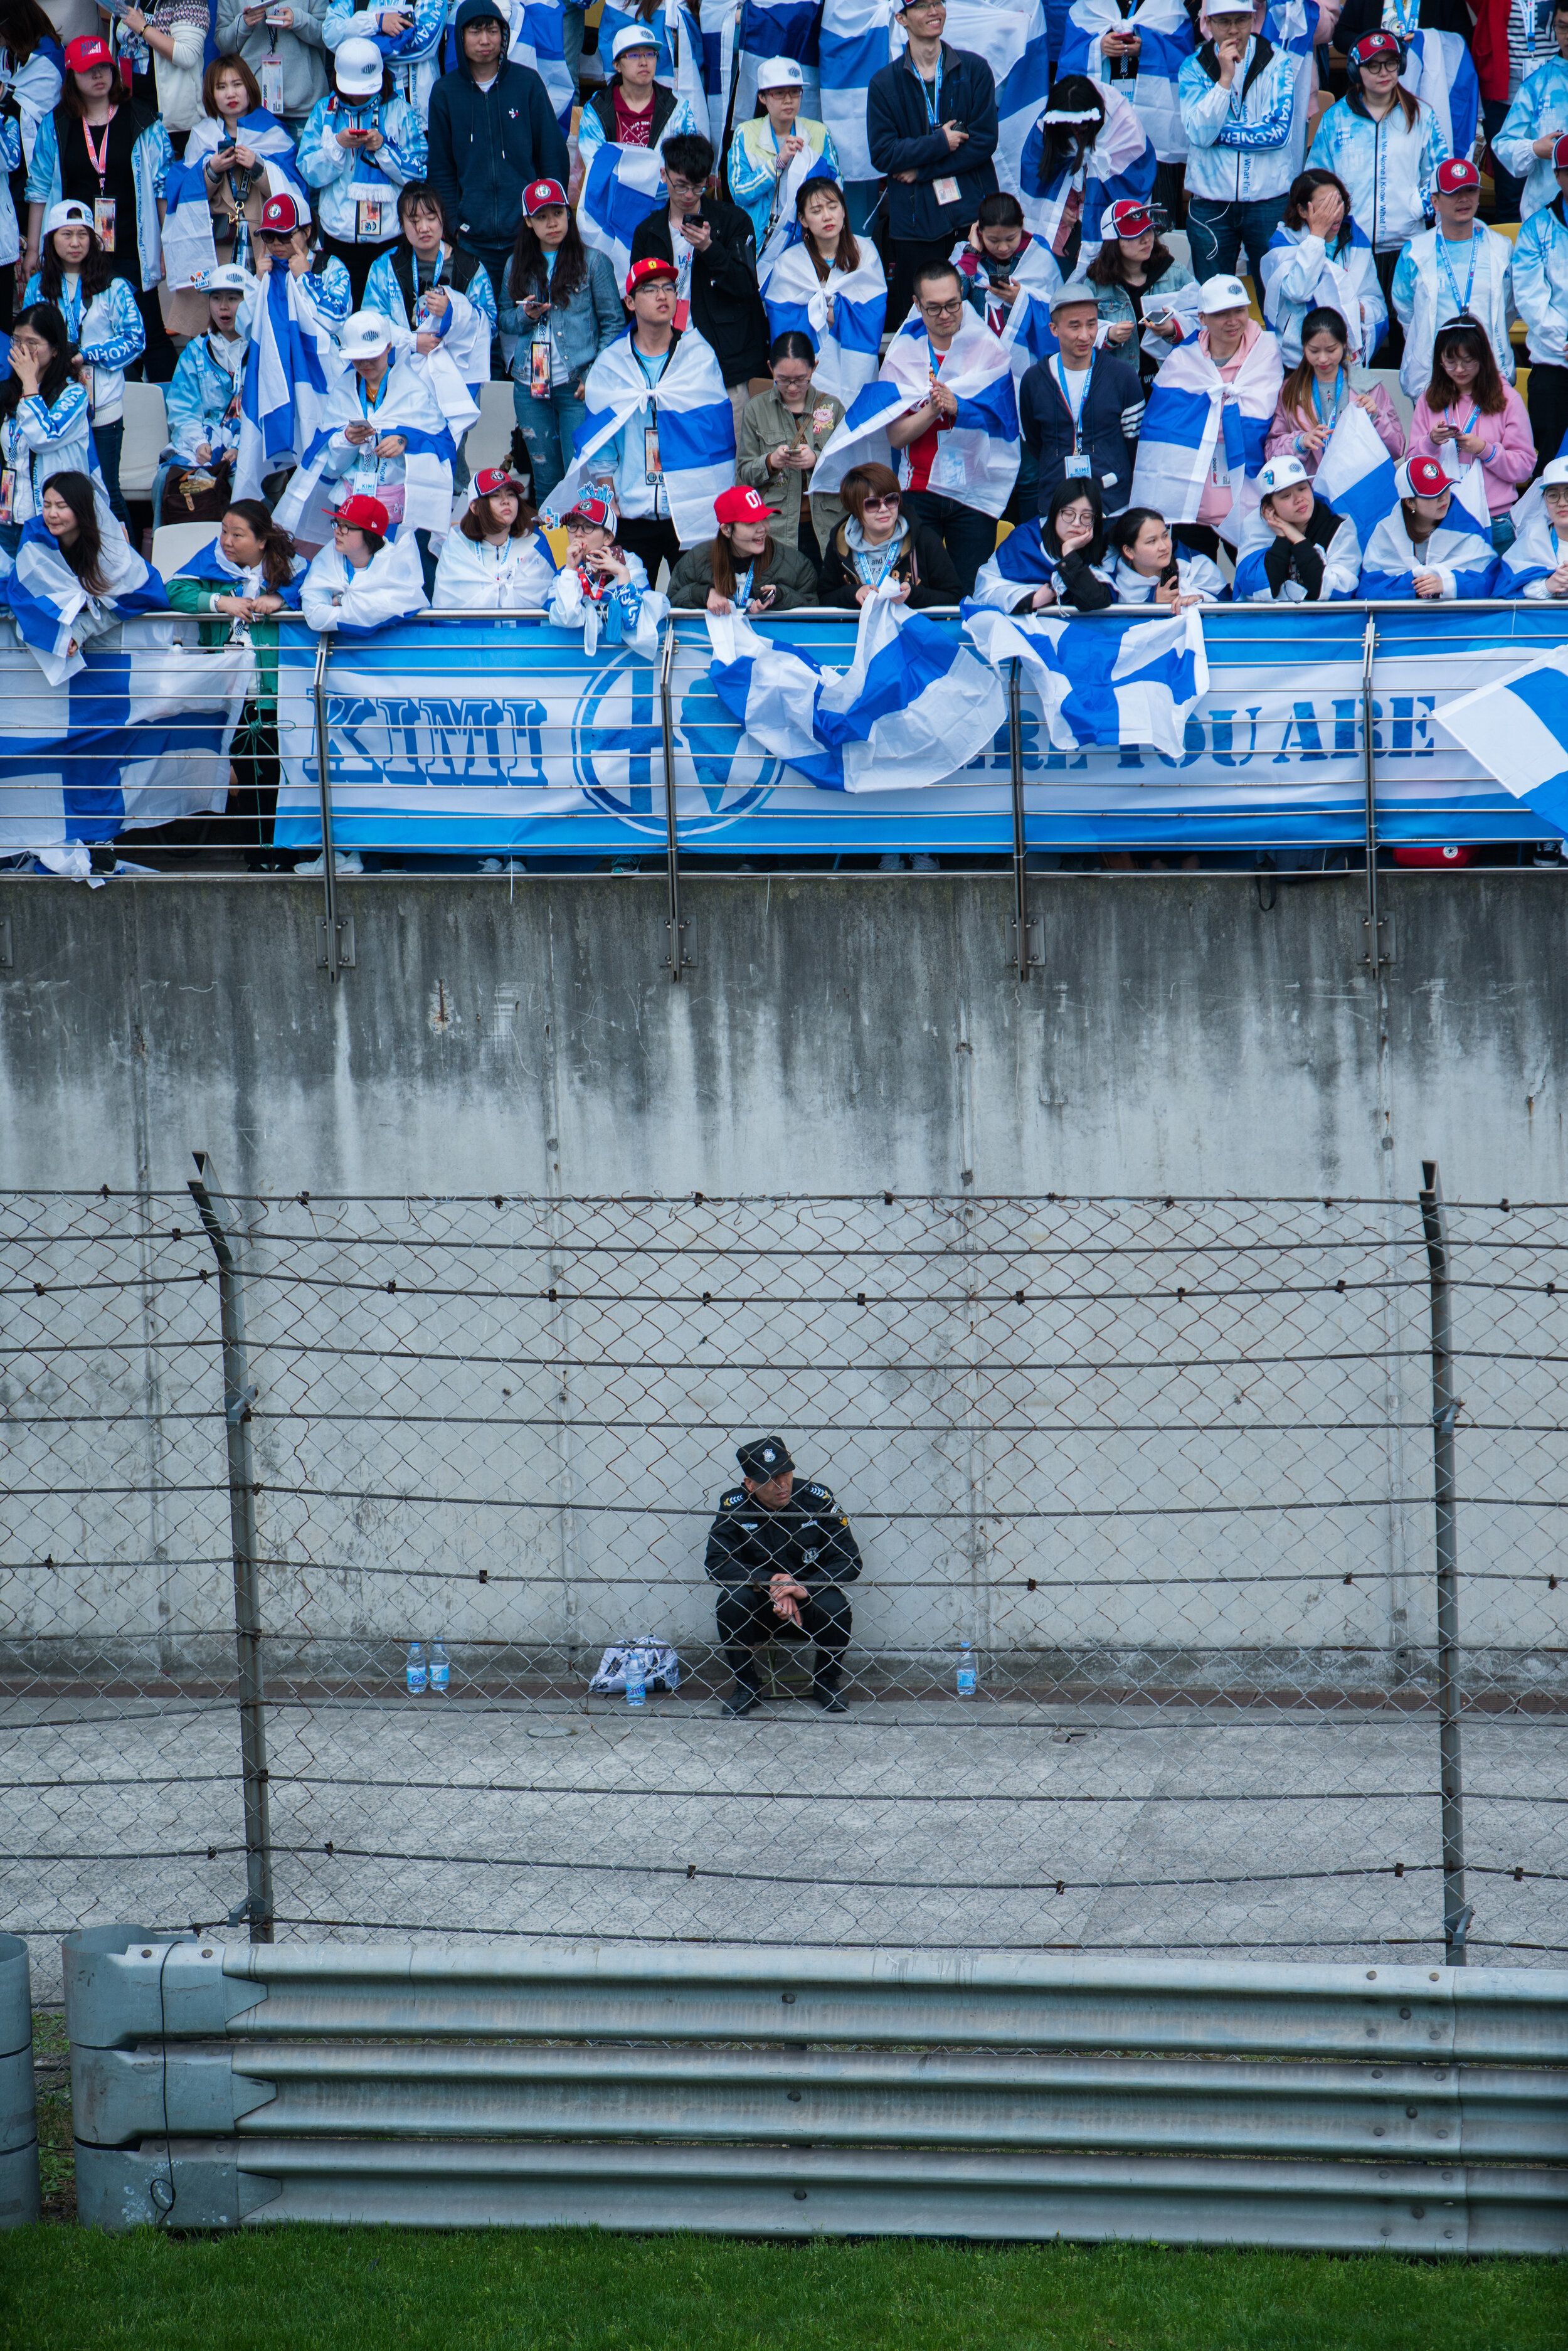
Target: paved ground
{"points": [[891, 1826]]}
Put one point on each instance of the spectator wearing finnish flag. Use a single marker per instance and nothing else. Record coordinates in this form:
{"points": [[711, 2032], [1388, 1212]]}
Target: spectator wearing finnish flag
{"points": [[1139, 47], [287, 57], [932, 128], [44, 420], [1319, 260], [770, 156], [288, 246], [1296, 549], [1238, 110], [1459, 269], [362, 143], [1384, 146], [990, 257], [1429, 545], [1535, 123], [74, 577], [709, 245], [1086, 151], [1060, 557], [829, 287], [1541, 296], [633, 109], [1208, 420], [497, 559], [1080, 410], [957, 427], [561, 305], [408, 38], [660, 429], [362, 581], [1467, 417], [202, 407], [1146, 567], [102, 320], [1320, 388], [237, 156], [602, 586], [1536, 565], [1147, 300]]}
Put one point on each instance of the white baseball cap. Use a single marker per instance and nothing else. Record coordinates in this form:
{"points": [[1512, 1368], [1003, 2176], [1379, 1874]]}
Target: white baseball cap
{"points": [[228, 278], [358, 69], [1555, 474], [630, 36], [367, 334], [72, 214], [780, 73], [1214, 293], [1281, 474]]}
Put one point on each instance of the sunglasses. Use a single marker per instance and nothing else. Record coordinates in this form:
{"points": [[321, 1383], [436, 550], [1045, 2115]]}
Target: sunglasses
{"points": [[876, 505]]}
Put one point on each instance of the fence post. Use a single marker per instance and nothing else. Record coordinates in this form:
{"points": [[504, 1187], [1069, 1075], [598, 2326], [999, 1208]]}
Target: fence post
{"points": [[1374, 957], [1022, 937], [677, 959], [331, 957], [1456, 1911], [238, 1397]]}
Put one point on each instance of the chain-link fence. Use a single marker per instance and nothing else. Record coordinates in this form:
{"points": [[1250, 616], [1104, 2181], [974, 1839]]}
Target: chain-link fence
{"points": [[1166, 1466]]}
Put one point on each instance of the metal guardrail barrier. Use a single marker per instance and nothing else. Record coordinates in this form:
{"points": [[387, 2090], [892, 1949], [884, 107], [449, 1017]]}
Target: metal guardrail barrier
{"points": [[901, 2092]]}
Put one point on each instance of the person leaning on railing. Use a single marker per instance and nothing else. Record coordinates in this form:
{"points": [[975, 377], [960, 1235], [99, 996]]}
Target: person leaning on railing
{"points": [[878, 541], [1295, 549], [1536, 565], [494, 561], [1418, 551], [743, 569], [780, 1552], [363, 581], [1059, 557], [1144, 567]]}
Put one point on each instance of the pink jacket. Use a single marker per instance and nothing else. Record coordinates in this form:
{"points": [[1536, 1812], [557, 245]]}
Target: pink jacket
{"points": [[1286, 429], [1512, 460], [1216, 501]]}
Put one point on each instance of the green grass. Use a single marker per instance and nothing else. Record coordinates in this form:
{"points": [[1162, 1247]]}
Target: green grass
{"points": [[317, 2288], [52, 2081]]}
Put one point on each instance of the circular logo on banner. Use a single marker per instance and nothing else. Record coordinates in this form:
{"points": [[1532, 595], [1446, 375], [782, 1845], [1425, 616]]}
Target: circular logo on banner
{"points": [[617, 753]]}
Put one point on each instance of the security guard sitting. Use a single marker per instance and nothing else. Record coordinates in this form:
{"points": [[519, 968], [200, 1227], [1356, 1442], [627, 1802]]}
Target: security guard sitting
{"points": [[779, 1557]]}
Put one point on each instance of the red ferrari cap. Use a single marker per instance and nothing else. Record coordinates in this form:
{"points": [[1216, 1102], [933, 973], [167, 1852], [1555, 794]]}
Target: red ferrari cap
{"points": [[89, 50], [364, 514], [493, 477], [283, 214], [649, 267], [1373, 45], [1560, 156], [741, 506], [1129, 218], [540, 195], [595, 507], [1428, 478], [1457, 173]]}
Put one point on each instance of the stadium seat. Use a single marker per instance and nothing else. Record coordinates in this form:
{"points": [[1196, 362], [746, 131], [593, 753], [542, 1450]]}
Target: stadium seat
{"points": [[174, 543], [146, 436]]}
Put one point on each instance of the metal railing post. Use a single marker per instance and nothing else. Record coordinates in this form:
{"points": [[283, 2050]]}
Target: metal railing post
{"points": [[238, 1397], [1456, 1911], [1026, 960], [324, 780], [676, 959], [1373, 957]]}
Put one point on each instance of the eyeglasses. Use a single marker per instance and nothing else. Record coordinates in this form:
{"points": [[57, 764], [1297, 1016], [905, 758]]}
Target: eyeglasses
{"points": [[942, 310]]}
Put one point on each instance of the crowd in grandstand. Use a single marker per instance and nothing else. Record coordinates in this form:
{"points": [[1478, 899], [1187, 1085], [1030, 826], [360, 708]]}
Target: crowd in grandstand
{"points": [[1020, 363]]}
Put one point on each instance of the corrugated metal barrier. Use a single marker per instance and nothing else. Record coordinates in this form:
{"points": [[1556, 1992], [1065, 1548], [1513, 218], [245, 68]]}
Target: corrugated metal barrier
{"points": [[19, 2108], [787, 2093]]}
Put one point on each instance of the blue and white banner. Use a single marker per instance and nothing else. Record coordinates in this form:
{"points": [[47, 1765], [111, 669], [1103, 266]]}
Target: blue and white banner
{"points": [[1356, 474], [769, 29], [1518, 731], [139, 735], [1166, 41], [1195, 420], [624, 185], [912, 704], [496, 738], [1103, 682], [538, 38]]}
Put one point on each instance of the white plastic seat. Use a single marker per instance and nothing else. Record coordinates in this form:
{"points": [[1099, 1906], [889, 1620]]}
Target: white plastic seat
{"points": [[174, 543], [489, 442], [146, 437]]}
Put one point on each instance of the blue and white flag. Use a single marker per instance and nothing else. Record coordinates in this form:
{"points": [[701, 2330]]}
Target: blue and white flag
{"points": [[677, 37], [1439, 70], [978, 459], [1192, 417], [914, 706], [844, 318], [428, 408], [537, 40], [696, 425], [1102, 681], [624, 187], [1518, 731], [52, 610], [1010, 35], [189, 251], [767, 29], [1166, 41], [291, 361], [856, 41], [138, 734], [1355, 474], [1029, 334]]}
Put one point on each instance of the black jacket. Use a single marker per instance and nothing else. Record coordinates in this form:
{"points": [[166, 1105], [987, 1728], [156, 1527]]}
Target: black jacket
{"points": [[791, 576], [898, 126], [1112, 412], [923, 562], [810, 1539], [1286, 561], [460, 273], [602, 104], [486, 145], [726, 309]]}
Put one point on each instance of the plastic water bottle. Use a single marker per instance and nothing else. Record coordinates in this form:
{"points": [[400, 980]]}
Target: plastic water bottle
{"points": [[416, 1672], [636, 1681], [966, 1670], [440, 1668]]}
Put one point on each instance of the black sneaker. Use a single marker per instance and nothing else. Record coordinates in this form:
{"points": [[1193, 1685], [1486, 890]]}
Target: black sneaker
{"points": [[742, 1699], [829, 1698]]}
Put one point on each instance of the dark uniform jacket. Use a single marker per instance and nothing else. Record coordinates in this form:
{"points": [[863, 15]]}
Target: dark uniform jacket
{"points": [[809, 1541]]}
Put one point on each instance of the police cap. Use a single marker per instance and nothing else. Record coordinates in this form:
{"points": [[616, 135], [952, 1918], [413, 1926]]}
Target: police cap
{"points": [[763, 1458]]}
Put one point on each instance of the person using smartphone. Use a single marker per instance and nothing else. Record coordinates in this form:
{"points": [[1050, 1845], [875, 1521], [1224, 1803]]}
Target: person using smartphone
{"points": [[284, 46], [743, 569], [361, 144], [603, 588]]}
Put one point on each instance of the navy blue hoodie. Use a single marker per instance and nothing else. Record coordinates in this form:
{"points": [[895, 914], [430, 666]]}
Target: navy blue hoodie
{"points": [[486, 145]]}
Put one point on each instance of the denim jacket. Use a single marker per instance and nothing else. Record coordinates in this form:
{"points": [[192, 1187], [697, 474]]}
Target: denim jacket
{"points": [[582, 328]]}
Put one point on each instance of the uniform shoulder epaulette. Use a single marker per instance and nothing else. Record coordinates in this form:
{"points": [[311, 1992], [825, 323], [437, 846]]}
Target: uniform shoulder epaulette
{"points": [[818, 1494], [733, 1500]]}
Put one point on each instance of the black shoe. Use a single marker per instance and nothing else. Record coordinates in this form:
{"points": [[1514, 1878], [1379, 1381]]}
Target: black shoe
{"points": [[742, 1697], [828, 1698]]}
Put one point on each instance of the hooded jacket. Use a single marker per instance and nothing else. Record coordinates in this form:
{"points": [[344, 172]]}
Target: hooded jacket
{"points": [[486, 145]]}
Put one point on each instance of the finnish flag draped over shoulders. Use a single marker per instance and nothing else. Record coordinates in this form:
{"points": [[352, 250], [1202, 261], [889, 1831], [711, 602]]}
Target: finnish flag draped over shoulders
{"points": [[844, 318], [855, 42], [1102, 681], [913, 708], [1518, 731], [978, 459], [1461, 548], [696, 427], [50, 606], [1122, 163], [289, 363], [1191, 413], [624, 185], [1166, 41]]}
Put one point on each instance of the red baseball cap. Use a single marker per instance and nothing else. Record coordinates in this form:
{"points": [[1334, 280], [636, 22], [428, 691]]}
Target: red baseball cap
{"points": [[364, 514], [1457, 173], [493, 477], [281, 215], [741, 506], [1129, 218], [89, 50], [650, 268], [1560, 156], [1373, 45], [595, 507], [540, 195], [1428, 479]]}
